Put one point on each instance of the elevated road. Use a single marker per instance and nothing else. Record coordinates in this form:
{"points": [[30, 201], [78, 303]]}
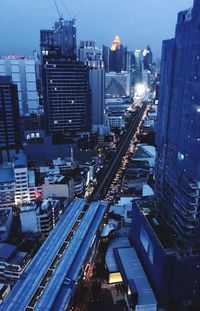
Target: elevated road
{"points": [[104, 183]]}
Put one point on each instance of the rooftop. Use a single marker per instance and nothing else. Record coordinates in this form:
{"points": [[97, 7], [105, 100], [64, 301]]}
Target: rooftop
{"points": [[110, 259], [7, 175], [131, 269], [141, 153], [6, 251], [20, 160]]}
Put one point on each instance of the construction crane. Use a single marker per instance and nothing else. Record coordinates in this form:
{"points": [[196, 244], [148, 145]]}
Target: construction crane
{"points": [[65, 8], [57, 8]]}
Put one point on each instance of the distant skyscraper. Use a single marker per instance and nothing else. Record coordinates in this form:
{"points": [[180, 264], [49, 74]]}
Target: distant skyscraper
{"points": [[116, 43], [147, 58], [136, 68], [118, 56], [90, 54], [23, 71], [9, 119], [178, 135], [106, 57]]}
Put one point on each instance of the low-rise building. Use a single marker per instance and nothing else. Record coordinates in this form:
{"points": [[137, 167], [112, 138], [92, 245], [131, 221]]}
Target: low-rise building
{"points": [[7, 187], [115, 120], [12, 263], [144, 152], [40, 216], [58, 186], [6, 218]]}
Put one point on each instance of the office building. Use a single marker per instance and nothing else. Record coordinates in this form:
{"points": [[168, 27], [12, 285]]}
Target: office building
{"points": [[118, 56], [65, 83], [178, 138], [106, 57], [23, 71], [9, 119], [147, 58], [60, 40], [136, 61], [167, 236], [89, 53], [67, 97]]}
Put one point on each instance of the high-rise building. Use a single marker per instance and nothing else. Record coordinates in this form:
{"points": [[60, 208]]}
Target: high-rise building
{"points": [[23, 71], [61, 39], [116, 43], [89, 52], [106, 57], [118, 56], [147, 58], [136, 61], [66, 89], [178, 134], [67, 97], [166, 232], [9, 119], [115, 58], [92, 56]]}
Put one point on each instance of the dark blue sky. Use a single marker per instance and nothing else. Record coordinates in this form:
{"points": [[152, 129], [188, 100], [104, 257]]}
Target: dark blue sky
{"points": [[137, 22]]}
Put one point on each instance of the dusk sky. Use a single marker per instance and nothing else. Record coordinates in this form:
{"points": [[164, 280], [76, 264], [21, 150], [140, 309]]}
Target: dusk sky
{"points": [[137, 22]]}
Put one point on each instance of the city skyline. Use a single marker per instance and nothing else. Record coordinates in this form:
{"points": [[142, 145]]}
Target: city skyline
{"points": [[139, 28]]}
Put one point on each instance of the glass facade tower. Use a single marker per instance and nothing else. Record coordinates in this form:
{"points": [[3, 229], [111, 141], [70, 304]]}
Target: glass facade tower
{"points": [[178, 134]]}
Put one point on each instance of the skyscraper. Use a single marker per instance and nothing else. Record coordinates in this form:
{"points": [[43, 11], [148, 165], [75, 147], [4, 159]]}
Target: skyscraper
{"points": [[63, 36], [9, 119], [118, 56], [92, 56], [23, 71], [137, 66], [178, 133], [147, 58], [67, 97], [167, 238], [66, 89]]}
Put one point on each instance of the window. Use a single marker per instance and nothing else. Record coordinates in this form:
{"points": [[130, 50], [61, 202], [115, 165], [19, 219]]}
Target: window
{"points": [[148, 246]]}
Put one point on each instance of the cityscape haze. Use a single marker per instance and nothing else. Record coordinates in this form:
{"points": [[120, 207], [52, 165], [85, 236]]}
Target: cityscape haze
{"points": [[100, 155], [137, 22]]}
